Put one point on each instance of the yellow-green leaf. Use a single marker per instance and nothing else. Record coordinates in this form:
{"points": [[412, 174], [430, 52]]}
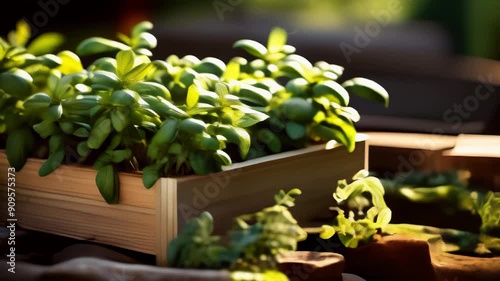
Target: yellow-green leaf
{"points": [[277, 39], [70, 63], [367, 89]]}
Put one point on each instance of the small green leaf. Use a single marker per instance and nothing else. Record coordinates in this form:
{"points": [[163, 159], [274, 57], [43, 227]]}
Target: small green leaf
{"points": [[70, 63], [298, 87], [348, 113], [367, 89], [223, 158], [105, 79], [145, 88], [141, 27], [104, 64], [119, 120], [95, 45], [138, 73], [16, 83], [104, 159], [99, 133], [295, 192], [252, 47], [192, 126], [333, 91], [202, 163], [124, 38], [124, 62], [232, 71], [83, 149], [45, 43], [294, 69], [124, 98], [45, 128], [21, 35], [193, 96], [150, 175], [298, 109], [37, 101], [384, 217], [250, 119], [208, 143], [67, 127], [270, 139], [221, 90], [108, 183], [344, 134], [302, 61], [254, 95], [327, 232], [295, 130], [238, 136], [54, 112], [52, 163], [361, 174], [210, 65], [117, 156], [144, 52], [81, 132], [145, 41], [48, 60], [165, 108], [166, 134], [19, 145], [277, 39]]}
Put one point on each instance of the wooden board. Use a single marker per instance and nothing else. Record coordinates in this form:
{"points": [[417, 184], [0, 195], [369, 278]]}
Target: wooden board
{"points": [[250, 187], [67, 202], [479, 154], [393, 153]]}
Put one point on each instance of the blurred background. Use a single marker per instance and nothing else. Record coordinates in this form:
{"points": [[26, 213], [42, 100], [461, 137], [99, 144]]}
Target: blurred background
{"points": [[439, 60]]}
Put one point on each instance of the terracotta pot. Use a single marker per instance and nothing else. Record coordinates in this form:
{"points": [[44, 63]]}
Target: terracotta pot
{"points": [[406, 257], [304, 265]]}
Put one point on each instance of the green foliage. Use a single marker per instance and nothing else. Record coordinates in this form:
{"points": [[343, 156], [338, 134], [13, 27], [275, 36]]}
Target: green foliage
{"points": [[352, 231], [448, 188], [251, 246], [128, 112], [196, 247], [310, 106], [488, 208], [140, 41]]}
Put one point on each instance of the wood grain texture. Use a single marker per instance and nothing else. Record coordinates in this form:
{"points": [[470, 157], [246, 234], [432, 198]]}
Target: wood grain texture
{"points": [[431, 142], [122, 226], [166, 217], [249, 188], [79, 182]]}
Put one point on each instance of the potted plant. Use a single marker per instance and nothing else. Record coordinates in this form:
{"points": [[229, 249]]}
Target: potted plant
{"points": [[125, 122], [369, 242]]}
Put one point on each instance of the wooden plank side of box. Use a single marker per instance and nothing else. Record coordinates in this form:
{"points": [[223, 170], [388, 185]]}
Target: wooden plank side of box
{"points": [[128, 228], [69, 204], [400, 153], [79, 181], [480, 155], [250, 187]]}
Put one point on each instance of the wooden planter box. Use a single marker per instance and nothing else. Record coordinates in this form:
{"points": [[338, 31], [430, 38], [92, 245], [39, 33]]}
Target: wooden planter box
{"points": [[479, 154], [67, 202], [397, 154]]}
